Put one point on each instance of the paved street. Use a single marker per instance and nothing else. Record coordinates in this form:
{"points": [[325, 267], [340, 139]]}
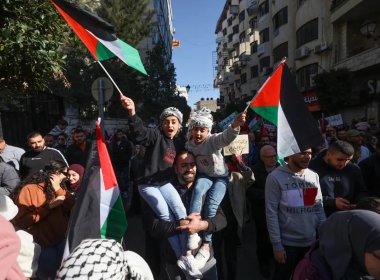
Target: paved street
{"points": [[247, 262]]}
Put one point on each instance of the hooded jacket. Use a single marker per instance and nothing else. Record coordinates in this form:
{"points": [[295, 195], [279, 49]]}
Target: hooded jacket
{"points": [[293, 207]]}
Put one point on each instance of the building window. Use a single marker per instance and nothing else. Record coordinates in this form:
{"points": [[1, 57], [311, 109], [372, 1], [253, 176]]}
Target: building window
{"points": [[242, 16], [242, 37], [280, 18], [300, 3], [280, 51], [243, 78], [307, 32], [263, 8], [235, 29], [230, 38], [253, 22], [229, 21], [303, 75], [224, 31], [264, 35], [254, 71], [264, 63], [224, 45], [254, 47]]}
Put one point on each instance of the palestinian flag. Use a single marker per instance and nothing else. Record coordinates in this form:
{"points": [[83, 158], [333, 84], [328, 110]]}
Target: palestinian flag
{"points": [[98, 211], [98, 35], [280, 102], [255, 123]]}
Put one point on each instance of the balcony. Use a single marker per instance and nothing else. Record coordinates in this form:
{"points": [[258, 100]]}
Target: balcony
{"points": [[351, 10], [253, 7], [361, 60]]}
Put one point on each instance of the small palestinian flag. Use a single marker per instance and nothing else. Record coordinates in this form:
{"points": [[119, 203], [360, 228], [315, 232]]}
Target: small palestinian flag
{"points": [[98, 35], [98, 211], [280, 102]]}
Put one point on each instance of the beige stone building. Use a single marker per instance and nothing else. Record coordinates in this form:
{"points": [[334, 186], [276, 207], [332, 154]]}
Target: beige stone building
{"points": [[315, 35], [210, 103]]}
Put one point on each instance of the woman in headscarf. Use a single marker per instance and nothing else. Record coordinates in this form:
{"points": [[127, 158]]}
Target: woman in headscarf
{"points": [[44, 207], [350, 244], [74, 177]]}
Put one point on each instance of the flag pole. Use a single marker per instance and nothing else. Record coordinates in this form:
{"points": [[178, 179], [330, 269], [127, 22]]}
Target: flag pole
{"points": [[283, 60], [109, 76]]}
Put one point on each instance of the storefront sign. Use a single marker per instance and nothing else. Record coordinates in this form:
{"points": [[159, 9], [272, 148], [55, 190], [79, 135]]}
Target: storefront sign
{"points": [[373, 86]]}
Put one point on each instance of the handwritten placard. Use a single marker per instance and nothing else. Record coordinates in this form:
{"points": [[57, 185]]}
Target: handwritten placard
{"points": [[238, 147], [335, 120], [227, 121]]}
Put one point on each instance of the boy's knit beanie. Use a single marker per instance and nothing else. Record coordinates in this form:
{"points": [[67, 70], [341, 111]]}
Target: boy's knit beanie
{"points": [[171, 111], [201, 118]]}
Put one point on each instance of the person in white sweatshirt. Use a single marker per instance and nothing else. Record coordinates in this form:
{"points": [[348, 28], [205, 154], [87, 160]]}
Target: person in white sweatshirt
{"points": [[294, 211]]}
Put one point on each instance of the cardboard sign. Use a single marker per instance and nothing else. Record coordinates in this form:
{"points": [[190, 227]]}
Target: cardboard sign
{"points": [[238, 147], [227, 121], [335, 120]]}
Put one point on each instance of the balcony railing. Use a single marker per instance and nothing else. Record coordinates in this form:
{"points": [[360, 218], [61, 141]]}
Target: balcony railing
{"points": [[336, 4]]}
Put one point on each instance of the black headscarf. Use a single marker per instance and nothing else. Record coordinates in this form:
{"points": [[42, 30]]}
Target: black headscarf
{"points": [[346, 236]]}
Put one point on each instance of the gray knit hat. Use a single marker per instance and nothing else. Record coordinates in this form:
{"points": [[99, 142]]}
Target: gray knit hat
{"points": [[171, 111], [201, 118]]}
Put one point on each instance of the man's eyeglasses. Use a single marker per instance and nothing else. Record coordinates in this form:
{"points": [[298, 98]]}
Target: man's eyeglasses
{"points": [[61, 138]]}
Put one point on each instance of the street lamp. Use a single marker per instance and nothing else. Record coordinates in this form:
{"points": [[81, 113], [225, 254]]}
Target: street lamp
{"points": [[187, 88], [368, 29]]}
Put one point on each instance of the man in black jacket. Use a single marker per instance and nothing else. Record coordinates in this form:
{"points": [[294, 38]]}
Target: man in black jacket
{"points": [[160, 256], [341, 182], [256, 197]]}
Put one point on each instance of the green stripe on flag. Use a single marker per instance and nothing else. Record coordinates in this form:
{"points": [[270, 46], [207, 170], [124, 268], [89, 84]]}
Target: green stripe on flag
{"points": [[115, 225], [269, 113], [103, 53], [132, 57]]}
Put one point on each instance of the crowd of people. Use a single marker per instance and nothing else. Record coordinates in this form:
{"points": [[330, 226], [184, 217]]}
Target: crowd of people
{"points": [[316, 212]]}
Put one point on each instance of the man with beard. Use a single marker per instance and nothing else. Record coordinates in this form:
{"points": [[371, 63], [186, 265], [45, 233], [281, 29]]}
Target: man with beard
{"points": [[256, 198], [38, 156], [293, 202], [78, 151], [341, 181], [160, 256]]}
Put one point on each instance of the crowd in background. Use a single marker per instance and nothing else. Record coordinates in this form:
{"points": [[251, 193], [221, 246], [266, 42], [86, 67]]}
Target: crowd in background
{"points": [[344, 173]]}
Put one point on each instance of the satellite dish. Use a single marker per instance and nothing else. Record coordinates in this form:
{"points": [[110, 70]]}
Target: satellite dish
{"points": [[107, 88]]}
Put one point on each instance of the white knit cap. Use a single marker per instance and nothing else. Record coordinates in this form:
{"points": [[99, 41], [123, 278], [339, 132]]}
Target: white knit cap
{"points": [[7, 208], [201, 118], [171, 111]]}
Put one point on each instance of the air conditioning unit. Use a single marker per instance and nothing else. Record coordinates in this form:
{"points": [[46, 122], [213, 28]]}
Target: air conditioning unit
{"points": [[311, 80], [302, 53], [321, 47]]}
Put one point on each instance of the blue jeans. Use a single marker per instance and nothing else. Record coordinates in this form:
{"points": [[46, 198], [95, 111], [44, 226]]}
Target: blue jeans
{"points": [[50, 261], [168, 206], [215, 187]]}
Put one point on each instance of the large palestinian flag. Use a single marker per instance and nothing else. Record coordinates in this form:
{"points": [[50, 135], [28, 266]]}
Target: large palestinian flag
{"points": [[98, 35], [280, 102], [98, 211]]}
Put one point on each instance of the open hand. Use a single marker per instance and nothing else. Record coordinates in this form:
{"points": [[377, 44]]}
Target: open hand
{"points": [[57, 201]]}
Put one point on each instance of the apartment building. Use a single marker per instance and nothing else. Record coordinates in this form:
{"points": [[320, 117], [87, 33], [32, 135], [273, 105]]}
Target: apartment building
{"points": [[163, 29], [315, 35], [210, 103]]}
